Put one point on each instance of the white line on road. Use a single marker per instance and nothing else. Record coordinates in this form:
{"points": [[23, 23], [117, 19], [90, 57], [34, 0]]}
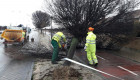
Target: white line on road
{"points": [[128, 70], [100, 57], [91, 68]]}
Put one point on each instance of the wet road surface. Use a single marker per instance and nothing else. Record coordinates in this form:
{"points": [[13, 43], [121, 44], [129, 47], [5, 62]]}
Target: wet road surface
{"points": [[115, 65], [16, 65]]}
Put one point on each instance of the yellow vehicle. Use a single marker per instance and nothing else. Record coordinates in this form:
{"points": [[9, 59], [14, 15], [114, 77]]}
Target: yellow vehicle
{"points": [[13, 36]]}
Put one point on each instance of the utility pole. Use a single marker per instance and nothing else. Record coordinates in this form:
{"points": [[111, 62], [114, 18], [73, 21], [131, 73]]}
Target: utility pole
{"points": [[51, 27]]}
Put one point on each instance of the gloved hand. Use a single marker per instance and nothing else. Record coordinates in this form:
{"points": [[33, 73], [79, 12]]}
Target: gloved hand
{"points": [[85, 47], [63, 45]]}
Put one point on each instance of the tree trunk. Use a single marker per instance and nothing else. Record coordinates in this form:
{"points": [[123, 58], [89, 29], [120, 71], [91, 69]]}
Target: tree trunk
{"points": [[71, 50]]}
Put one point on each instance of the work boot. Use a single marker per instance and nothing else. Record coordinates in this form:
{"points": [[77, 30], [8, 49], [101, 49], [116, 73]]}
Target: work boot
{"points": [[54, 62], [95, 65]]}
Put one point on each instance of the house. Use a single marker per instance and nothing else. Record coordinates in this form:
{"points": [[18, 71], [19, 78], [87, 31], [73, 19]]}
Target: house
{"points": [[136, 15]]}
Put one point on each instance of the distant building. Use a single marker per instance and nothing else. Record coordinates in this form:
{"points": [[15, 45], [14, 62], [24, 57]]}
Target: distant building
{"points": [[136, 15], [131, 16]]}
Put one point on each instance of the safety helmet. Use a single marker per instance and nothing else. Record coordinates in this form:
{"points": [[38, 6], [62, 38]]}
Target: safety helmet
{"points": [[90, 29]]}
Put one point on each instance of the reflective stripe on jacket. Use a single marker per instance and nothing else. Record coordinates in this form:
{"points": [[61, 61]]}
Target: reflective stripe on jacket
{"points": [[90, 41], [58, 36]]}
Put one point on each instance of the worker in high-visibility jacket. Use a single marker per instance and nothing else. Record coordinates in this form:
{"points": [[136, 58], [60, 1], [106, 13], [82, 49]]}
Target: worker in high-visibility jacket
{"points": [[90, 47], [56, 45], [23, 35]]}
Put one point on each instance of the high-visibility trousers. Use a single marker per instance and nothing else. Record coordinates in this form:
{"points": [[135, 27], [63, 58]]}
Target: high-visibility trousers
{"points": [[91, 55], [55, 50]]}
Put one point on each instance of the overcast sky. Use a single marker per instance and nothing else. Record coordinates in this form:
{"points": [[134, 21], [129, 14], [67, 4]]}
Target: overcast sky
{"points": [[15, 12]]}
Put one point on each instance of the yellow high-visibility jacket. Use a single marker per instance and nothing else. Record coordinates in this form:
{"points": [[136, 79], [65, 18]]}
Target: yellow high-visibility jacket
{"points": [[90, 42], [23, 34], [58, 36]]}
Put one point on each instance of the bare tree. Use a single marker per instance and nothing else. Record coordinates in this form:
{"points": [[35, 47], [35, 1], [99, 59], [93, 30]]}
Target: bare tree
{"points": [[78, 15], [40, 19]]}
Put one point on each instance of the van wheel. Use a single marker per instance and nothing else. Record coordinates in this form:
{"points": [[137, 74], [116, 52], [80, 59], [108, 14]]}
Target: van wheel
{"points": [[27, 37], [22, 42], [32, 39]]}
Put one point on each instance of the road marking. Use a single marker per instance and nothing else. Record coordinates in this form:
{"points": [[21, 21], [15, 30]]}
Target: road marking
{"points": [[91, 68], [128, 70], [100, 57]]}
